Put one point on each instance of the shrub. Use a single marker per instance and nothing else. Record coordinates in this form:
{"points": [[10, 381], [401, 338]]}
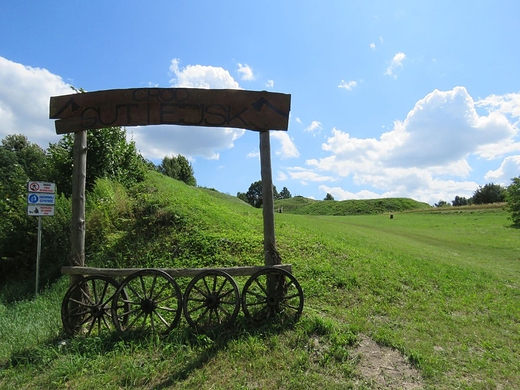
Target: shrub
{"points": [[513, 200]]}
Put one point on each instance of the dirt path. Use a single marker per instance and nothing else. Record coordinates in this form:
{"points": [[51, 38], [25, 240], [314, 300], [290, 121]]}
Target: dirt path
{"points": [[384, 368]]}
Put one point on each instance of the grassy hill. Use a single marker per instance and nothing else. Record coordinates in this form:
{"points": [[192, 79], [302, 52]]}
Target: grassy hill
{"points": [[423, 300], [306, 206]]}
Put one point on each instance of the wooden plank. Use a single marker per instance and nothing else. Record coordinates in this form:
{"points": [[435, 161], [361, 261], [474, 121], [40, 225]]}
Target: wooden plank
{"points": [[253, 110], [174, 272]]}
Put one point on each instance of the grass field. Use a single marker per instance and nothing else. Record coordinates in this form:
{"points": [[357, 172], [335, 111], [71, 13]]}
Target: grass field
{"points": [[439, 288]]}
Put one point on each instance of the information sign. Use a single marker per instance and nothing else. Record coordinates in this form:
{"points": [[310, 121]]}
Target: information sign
{"points": [[41, 187], [40, 198], [40, 210], [35, 198]]}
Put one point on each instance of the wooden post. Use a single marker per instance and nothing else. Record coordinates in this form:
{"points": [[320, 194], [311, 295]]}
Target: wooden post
{"points": [[79, 175], [77, 237], [272, 257]]}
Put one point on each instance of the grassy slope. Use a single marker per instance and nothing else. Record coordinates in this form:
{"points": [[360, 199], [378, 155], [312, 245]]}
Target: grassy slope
{"points": [[444, 289], [306, 206]]}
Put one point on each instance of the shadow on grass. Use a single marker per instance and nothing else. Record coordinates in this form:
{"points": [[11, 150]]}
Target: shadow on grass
{"points": [[210, 344], [204, 346]]}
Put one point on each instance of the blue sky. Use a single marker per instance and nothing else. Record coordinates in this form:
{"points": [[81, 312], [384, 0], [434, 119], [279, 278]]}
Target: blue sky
{"points": [[417, 99]]}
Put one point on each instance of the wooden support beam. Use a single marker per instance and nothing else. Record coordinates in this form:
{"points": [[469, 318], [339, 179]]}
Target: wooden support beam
{"points": [[272, 257], [174, 272], [79, 175]]}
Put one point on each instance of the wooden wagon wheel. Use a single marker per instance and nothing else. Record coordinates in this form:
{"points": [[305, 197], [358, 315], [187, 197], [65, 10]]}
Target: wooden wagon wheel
{"points": [[86, 307], [272, 293], [152, 302], [211, 300]]}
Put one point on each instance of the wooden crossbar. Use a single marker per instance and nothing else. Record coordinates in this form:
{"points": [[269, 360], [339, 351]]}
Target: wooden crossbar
{"points": [[174, 272]]}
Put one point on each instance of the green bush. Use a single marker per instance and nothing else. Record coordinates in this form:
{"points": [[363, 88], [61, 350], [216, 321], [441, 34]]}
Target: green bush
{"points": [[513, 200]]}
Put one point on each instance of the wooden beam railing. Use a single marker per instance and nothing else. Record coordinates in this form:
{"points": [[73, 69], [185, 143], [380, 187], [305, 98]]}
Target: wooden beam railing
{"points": [[174, 272]]}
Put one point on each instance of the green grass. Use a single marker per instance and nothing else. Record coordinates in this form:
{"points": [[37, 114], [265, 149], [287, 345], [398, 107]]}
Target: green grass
{"points": [[442, 288], [306, 206]]}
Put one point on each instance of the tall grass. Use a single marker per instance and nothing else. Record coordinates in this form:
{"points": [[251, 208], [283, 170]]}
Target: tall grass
{"points": [[443, 289], [30, 323]]}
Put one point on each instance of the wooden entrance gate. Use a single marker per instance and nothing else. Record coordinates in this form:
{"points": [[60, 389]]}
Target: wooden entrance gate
{"points": [[262, 111]]}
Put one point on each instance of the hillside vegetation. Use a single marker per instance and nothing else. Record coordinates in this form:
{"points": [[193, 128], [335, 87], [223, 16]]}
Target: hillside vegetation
{"points": [[306, 206], [435, 295]]}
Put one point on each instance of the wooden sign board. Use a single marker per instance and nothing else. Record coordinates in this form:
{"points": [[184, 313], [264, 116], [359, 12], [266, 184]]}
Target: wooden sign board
{"points": [[242, 109]]}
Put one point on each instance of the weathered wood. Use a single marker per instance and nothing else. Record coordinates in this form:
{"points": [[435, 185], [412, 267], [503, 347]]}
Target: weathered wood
{"points": [[272, 257], [77, 252], [77, 256], [174, 272], [253, 110]]}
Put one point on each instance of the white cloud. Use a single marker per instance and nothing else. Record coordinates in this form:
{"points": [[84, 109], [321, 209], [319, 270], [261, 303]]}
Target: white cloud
{"points": [[509, 169], [372, 45], [348, 85], [159, 141], [421, 155], [155, 142], [315, 126], [24, 109], [24, 101], [254, 154], [305, 175], [445, 127], [508, 104], [269, 84], [396, 63], [200, 76], [340, 194], [246, 72], [281, 176], [288, 148]]}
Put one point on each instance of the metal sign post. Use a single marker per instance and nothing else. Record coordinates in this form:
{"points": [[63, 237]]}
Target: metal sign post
{"points": [[38, 253], [40, 202]]}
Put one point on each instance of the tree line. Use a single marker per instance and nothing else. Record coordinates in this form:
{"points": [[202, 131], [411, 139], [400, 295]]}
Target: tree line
{"points": [[493, 193], [487, 194], [253, 196], [110, 156]]}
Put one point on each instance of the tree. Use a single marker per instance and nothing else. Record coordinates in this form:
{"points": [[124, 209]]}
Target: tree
{"points": [[254, 194], [442, 203], [490, 193], [328, 197], [513, 200], [109, 156], [276, 195], [179, 168], [285, 194], [13, 180], [459, 201], [20, 161], [254, 197], [31, 157]]}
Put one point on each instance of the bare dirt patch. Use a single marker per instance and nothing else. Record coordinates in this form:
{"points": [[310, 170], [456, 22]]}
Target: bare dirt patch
{"points": [[384, 368]]}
